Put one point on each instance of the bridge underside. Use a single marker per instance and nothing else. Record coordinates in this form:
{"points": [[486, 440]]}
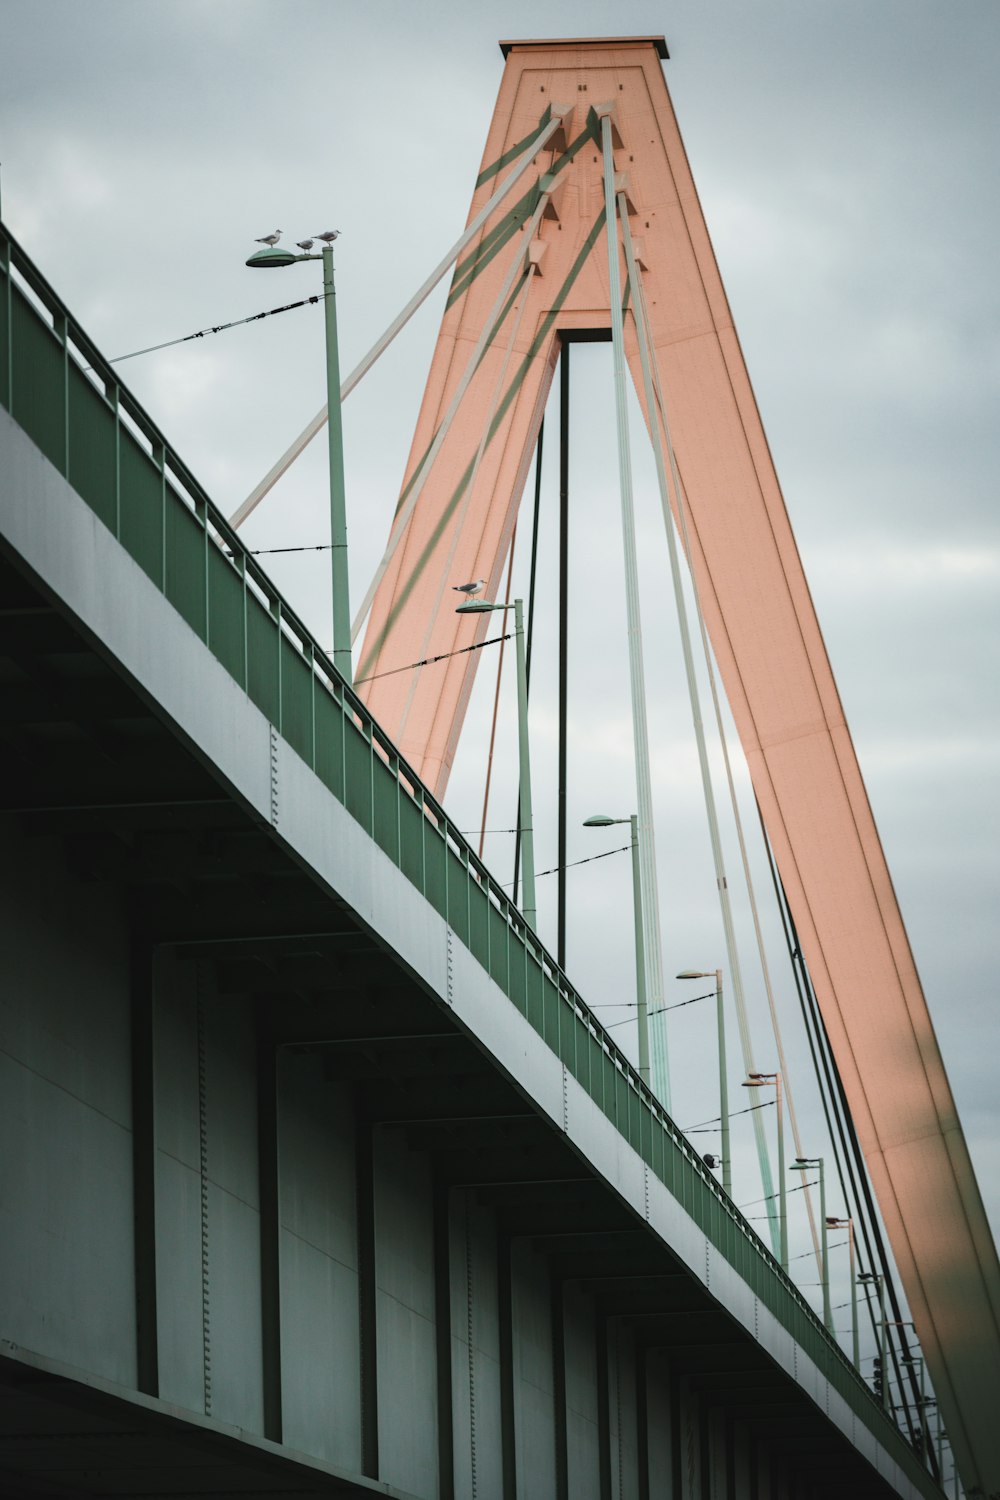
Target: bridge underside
{"points": [[276, 1223]]}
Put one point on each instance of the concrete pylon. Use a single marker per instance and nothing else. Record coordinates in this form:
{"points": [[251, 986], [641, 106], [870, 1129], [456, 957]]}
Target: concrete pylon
{"points": [[759, 615]]}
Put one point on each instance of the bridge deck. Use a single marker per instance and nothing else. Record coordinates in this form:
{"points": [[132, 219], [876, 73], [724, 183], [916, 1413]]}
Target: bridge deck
{"points": [[258, 820]]}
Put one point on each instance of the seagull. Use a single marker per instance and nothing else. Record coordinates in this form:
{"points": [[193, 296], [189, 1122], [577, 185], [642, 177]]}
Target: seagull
{"points": [[469, 588], [329, 237], [269, 239], [304, 244]]}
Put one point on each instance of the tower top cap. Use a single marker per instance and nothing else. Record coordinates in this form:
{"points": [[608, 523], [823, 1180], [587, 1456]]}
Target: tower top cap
{"points": [[659, 42]]}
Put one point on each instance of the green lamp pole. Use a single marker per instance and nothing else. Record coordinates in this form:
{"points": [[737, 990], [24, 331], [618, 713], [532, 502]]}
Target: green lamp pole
{"points": [[600, 820], [761, 1081], [272, 259], [912, 1359], [802, 1164], [484, 607], [720, 1018], [869, 1276], [848, 1224], [918, 1359]]}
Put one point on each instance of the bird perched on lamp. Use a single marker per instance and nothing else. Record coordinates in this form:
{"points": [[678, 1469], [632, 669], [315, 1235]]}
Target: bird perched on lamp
{"points": [[305, 244], [468, 589], [269, 239], [329, 237]]}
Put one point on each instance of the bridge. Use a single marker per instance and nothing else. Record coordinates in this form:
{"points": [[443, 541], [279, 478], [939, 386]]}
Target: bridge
{"points": [[322, 1178]]}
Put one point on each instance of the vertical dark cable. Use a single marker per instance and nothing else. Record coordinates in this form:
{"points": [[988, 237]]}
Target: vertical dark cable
{"points": [[529, 639], [825, 1068], [836, 1086], [563, 635]]}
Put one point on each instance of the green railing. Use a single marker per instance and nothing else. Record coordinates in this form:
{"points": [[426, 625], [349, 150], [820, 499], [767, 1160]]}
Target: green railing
{"points": [[68, 399]]}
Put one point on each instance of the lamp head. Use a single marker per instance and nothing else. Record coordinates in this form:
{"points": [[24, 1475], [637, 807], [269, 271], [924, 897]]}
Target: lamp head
{"points": [[695, 974], [476, 607], [265, 260], [601, 820]]}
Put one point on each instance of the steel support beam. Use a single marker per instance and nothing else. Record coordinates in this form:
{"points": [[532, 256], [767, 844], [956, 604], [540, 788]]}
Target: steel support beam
{"points": [[364, 1198], [268, 1160], [141, 954]]}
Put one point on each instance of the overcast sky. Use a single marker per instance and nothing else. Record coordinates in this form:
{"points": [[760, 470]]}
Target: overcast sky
{"points": [[846, 157]]}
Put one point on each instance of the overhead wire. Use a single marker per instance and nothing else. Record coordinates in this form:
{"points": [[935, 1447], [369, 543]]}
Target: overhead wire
{"points": [[573, 862], [700, 1128], [202, 333], [657, 1012], [428, 661]]}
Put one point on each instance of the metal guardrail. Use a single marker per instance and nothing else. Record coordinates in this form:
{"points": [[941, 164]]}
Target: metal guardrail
{"points": [[69, 400]]}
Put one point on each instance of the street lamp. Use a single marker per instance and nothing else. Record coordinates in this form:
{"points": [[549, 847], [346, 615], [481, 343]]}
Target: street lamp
{"points": [[275, 259], [600, 820], [802, 1164], [848, 1224], [716, 974], [868, 1277], [909, 1359], [918, 1359], [484, 607], [760, 1081]]}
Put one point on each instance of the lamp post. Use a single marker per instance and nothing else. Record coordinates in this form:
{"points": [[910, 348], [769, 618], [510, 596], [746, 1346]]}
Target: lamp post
{"points": [[760, 1081], [802, 1164], [484, 607], [848, 1224], [716, 974], [275, 259], [909, 1359], [600, 820], [918, 1359], [869, 1276]]}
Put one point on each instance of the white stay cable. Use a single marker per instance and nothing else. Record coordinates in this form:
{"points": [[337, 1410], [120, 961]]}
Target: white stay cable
{"points": [[786, 1077], [732, 952], [379, 347], [459, 522], [652, 943], [419, 479], [786, 1082]]}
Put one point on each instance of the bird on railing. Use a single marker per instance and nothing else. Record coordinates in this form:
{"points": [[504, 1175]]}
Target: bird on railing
{"points": [[329, 237], [269, 239], [469, 588], [305, 244]]}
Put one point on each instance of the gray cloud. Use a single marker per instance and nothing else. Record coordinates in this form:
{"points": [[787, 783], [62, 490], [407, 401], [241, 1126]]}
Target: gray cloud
{"points": [[845, 156]]}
